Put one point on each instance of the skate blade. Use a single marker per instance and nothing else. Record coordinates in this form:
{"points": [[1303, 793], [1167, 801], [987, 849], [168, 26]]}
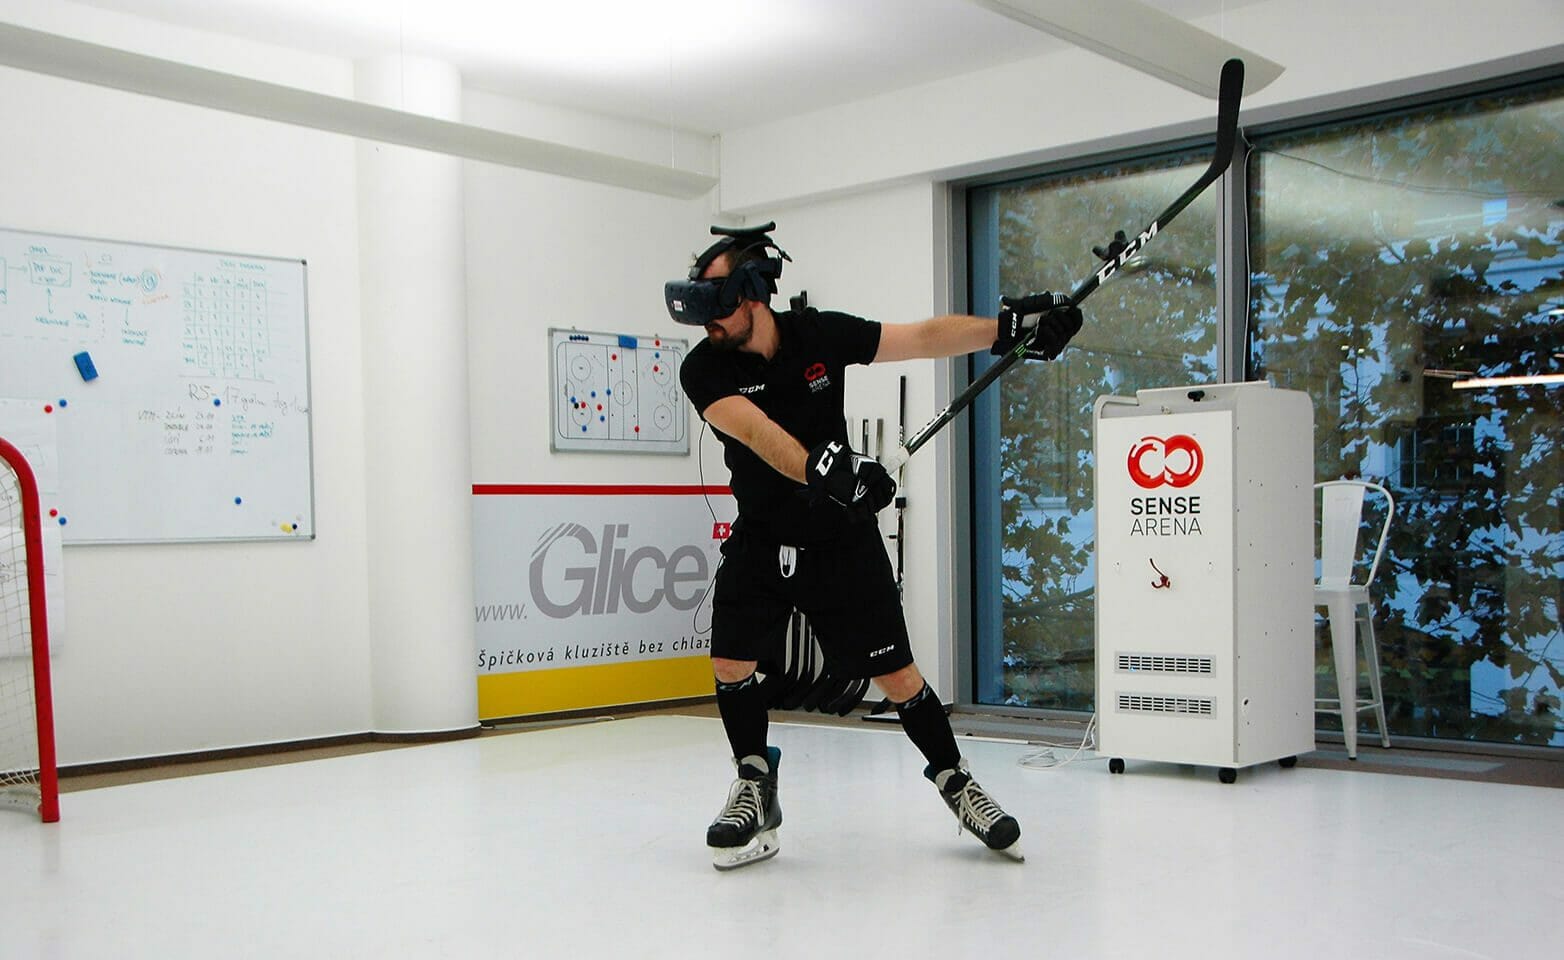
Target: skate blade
{"points": [[1013, 852], [763, 846]]}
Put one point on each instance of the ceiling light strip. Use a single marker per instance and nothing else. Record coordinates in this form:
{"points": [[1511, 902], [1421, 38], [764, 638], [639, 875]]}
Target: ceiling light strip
{"points": [[1519, 381], [71, 59]]}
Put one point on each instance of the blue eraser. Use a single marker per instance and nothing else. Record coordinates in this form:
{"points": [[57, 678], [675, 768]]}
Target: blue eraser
{"points": [[627, 342], [84, 364]]}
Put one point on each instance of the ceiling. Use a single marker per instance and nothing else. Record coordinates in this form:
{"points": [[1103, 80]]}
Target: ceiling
{"points": [[698, 65]]}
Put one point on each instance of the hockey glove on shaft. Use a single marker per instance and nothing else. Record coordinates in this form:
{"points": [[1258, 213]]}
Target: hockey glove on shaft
{"points": [[1052, 316], [851, 479]]}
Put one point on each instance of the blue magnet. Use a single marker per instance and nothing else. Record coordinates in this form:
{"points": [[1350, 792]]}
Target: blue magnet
{"points": [[85, 366], [627, 342]]}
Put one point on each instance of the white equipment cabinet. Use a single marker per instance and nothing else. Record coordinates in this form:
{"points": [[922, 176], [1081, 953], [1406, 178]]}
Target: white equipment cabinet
{"points": [[1205, 574]]}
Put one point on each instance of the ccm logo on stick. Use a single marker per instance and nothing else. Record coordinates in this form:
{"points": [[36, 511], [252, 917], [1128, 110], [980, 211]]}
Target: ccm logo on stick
{"points": [[1175, 461], [1112, 266]]}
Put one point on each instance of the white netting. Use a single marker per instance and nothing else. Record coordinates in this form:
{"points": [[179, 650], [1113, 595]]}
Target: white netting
{"points": [[18, 712]]}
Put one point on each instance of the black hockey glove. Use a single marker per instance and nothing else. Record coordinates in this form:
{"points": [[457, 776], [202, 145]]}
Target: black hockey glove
{"points": [[1051, 314], [851, 479]]}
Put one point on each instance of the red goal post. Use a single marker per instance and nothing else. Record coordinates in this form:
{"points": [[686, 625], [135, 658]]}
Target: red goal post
{"points": [[27, 759]]}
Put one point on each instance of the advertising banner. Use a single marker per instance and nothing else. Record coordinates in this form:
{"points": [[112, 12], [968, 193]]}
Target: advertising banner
{"points": [[593, 595]]}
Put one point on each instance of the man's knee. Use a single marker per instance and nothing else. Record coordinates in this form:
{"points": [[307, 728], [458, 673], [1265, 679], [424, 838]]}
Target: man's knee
{"points": [[901, 685], [732, 671]]}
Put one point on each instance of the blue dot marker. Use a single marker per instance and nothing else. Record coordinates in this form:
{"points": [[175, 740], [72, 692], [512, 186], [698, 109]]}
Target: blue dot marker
{"points": [[601, 419], [238, 500], [583, 429], [217, 401], [62, 521], [62, 402]]}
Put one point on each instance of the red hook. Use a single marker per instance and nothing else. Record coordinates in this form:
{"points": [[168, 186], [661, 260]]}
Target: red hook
{"points": [[1162, 582]]}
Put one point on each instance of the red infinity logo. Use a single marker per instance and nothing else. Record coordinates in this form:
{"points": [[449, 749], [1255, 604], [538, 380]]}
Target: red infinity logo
{"points": [[814, 372], [1175, 461]]}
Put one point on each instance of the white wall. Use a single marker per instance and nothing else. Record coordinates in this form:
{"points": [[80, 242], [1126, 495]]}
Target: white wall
{"points": [[175, 648], [545, 252]]}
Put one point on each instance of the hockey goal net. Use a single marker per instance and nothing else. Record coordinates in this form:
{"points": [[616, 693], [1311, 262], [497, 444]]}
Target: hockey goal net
{"points": [[27, 771]]}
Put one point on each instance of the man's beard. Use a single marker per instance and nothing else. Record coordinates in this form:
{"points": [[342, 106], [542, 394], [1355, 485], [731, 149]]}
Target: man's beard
{"points": [[726, 340]]}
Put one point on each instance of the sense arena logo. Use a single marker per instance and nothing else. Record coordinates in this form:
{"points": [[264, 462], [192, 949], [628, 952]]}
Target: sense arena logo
{"points": [[1156, 462], [1175, 461], [575, 572]]}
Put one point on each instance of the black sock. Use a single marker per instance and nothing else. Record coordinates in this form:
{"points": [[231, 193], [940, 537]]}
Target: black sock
{"points": [[743, 709], [923, 717]]}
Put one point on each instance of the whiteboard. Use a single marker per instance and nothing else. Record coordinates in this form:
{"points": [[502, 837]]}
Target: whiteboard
{"points": [[617, 393], [177, 381]]}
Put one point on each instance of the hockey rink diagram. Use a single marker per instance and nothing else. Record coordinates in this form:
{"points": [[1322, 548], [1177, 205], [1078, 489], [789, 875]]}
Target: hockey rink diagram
{"points": [[617, 392]]}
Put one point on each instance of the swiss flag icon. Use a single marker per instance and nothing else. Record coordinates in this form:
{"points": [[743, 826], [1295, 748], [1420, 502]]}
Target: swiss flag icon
{"points": [[721, 531]]}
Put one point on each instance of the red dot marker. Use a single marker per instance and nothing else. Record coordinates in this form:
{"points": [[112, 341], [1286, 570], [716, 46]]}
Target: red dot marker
{"points": [[637, 429], [54, 513], [48, 408]]}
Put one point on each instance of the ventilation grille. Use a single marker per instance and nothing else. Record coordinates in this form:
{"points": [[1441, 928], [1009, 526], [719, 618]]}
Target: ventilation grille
{"points": [[1152, 703], [1162, 663]]}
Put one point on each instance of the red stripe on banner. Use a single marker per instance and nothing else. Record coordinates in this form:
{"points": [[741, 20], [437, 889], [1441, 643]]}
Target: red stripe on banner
{"points": [[596, 489]]}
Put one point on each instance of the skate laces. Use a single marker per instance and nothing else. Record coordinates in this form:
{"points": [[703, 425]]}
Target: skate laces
{"points": [[744, 803], [973, 805]]}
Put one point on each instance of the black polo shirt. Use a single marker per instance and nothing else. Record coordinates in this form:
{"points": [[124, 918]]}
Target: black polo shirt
{"points": [[802, 390]]}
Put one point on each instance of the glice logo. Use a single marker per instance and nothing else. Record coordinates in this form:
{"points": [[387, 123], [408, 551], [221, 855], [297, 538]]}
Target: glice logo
{"points": [[608, 579]]}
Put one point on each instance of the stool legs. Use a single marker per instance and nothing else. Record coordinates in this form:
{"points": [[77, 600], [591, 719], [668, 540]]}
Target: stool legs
{"points": [[1344, 647], [1371, 659]]}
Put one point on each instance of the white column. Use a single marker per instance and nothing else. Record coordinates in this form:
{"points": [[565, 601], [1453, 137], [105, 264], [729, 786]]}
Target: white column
{"points": [[418, 488]]}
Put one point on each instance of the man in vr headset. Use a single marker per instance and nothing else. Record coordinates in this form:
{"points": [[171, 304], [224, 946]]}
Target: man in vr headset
{"points": [[771, 386]]}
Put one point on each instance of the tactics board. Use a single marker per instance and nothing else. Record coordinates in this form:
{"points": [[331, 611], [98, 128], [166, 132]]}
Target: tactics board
{"points": [[617, 392]]}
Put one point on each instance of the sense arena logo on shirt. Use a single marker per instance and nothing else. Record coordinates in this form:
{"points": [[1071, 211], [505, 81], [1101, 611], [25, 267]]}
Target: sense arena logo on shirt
{"points": [[816, 377], [1156, 462]]}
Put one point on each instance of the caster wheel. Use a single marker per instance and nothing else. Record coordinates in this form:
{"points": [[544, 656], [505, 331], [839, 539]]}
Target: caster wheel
{"points": [[1288, 763], [1227, 775], [1116, 765]]}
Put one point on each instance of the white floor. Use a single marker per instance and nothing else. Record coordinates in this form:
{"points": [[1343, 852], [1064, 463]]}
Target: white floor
{"points": [[588, 841]]}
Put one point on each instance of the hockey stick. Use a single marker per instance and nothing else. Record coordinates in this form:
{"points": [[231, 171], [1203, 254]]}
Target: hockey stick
{"points": [[1232, 85]]}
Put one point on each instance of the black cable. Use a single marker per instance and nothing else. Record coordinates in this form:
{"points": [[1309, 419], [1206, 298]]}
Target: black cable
{"points": [[1423, 188], [700, 466]]}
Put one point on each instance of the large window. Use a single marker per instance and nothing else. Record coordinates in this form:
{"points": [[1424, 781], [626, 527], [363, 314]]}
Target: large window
{"points": [[1390, 258], [1153, 324], [1393, 259]]}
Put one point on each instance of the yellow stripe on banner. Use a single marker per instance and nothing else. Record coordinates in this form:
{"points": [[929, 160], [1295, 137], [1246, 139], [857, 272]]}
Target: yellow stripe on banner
{"points": [[598, 685]]}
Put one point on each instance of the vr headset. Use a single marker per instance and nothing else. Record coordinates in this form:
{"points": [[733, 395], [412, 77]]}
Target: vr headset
{"points": [[698, 302]]}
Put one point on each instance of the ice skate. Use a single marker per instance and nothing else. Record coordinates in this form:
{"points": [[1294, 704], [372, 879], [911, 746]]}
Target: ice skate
{"points": [[976, 810], [745, 831]]}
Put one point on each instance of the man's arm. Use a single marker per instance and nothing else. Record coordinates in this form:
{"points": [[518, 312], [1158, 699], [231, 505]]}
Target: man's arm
{"points": [[949, 335], [740, 419]]}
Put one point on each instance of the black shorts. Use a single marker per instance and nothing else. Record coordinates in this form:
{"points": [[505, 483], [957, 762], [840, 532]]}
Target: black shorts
{"points": [[845, 588]]}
